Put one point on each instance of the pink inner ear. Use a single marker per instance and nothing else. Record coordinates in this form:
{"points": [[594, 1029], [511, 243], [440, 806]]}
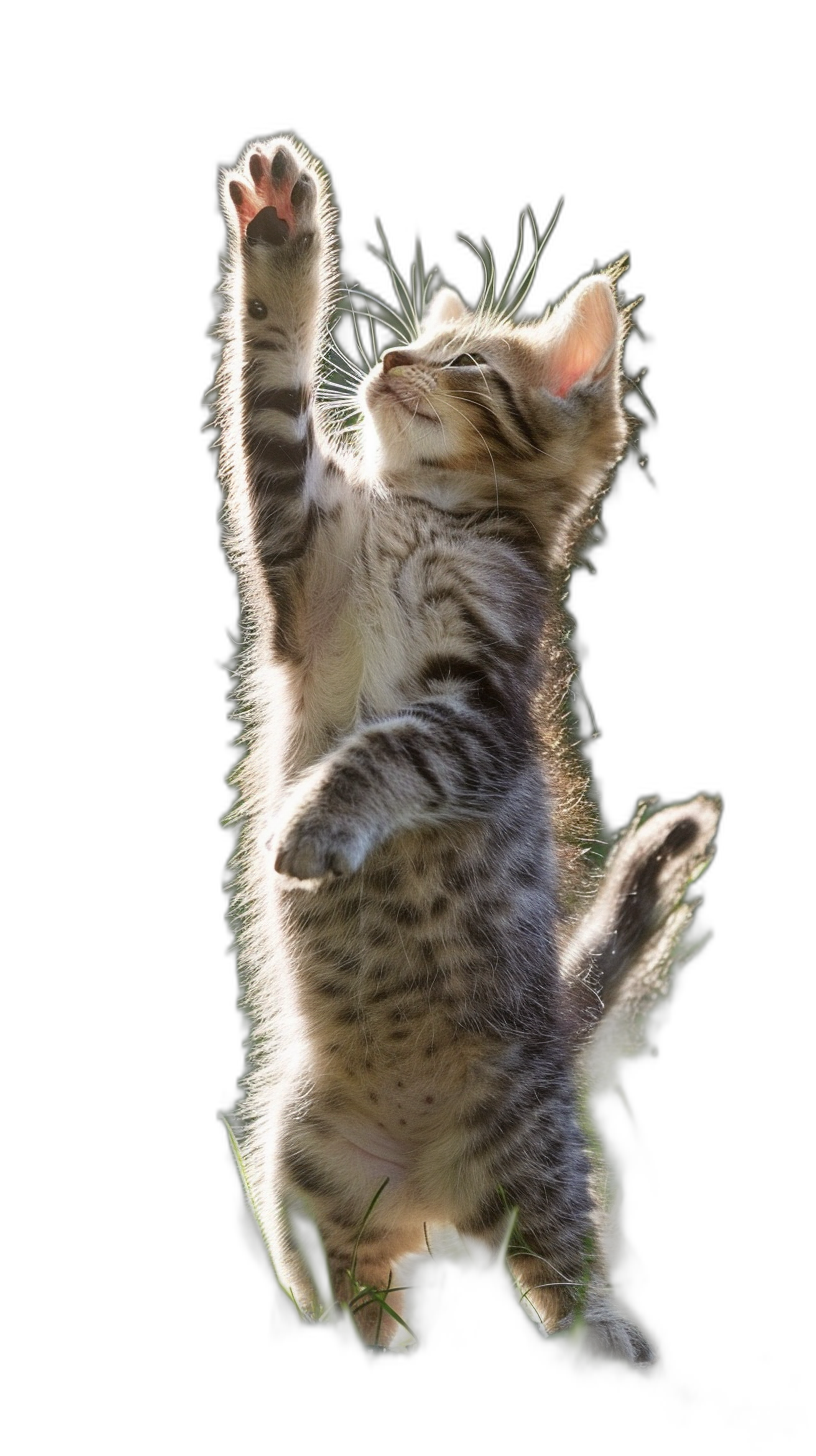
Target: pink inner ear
{"points": [[583, 337], [566, 379]]}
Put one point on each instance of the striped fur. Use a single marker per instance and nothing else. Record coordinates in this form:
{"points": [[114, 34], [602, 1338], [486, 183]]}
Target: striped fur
{"points": [[406, 891]]}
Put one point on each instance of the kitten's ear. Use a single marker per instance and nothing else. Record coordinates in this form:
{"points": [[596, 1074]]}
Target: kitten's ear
{"points": [[445, 308], [579, 341]]}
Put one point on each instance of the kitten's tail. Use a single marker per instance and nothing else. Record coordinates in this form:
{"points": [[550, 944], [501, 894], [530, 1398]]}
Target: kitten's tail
{"points": [[621, 950]]}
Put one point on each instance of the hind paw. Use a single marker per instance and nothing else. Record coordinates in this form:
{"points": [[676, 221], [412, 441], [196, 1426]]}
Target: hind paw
{"points": [[610, 1334]]}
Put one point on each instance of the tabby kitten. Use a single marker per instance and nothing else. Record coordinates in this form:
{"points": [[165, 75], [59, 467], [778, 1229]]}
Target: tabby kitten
{"points": [[417, 972]]}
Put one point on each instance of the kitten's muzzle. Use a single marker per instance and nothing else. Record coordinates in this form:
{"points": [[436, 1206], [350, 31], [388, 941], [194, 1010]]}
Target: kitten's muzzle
{"points": [[397, 359]]}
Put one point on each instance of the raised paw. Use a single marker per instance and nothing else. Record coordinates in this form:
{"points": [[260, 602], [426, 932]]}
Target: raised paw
{"points": [[313, 847], [277, 202]]}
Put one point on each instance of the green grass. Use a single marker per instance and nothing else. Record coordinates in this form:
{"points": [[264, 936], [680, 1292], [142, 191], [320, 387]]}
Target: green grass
{"points": [[343, 1314]]}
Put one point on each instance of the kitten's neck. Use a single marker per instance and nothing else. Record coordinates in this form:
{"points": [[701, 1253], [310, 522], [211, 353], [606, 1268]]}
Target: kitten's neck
{"points": [[445, 488]]}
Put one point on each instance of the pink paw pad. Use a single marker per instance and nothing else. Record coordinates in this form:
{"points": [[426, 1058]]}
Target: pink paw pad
{"points": [[272, 206]]}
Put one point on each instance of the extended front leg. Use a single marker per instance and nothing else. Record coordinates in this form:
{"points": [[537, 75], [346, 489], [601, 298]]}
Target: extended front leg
{"points": [[278, 211]]}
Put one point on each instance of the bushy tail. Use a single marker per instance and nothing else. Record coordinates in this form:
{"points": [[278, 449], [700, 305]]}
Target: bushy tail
{"points": [[621, 950]]}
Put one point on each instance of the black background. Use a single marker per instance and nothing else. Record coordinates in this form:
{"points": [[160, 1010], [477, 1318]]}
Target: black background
{"points": [[654, 635]]}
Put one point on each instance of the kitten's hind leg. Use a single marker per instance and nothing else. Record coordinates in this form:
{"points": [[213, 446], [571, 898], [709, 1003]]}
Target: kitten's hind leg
{"points": [[361, 1271], [606, 1332], [556, 1288]]}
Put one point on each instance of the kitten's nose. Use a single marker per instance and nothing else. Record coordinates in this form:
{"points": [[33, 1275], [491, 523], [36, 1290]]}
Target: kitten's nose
{"points": [[396, 358]]}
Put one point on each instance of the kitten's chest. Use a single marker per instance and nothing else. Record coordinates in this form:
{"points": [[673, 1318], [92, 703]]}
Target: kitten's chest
{"points": [[364, 644], [326, 685], [412, 604]]}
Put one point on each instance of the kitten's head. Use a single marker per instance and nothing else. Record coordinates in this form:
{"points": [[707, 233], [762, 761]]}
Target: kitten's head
{"points": [[480, 412]]}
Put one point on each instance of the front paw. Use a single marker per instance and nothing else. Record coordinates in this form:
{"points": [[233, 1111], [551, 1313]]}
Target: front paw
{"points": [[312, 847], [277, 203]]}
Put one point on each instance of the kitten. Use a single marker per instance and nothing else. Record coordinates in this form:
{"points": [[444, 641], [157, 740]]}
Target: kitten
{"points": [[417, 956]]}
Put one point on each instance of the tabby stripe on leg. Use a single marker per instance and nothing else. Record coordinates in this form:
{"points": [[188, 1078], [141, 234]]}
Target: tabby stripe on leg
{"points": [[271, 453], [418, 757], [290, 401], [477, 681]]}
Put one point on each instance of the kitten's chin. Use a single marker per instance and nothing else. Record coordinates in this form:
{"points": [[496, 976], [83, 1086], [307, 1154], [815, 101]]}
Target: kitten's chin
{"points": [[398, 399], [397, 435], [398, 470], [409, 448]]}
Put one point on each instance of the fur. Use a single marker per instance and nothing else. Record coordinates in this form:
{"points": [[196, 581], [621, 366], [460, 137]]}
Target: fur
{"points": [[423, 946]]}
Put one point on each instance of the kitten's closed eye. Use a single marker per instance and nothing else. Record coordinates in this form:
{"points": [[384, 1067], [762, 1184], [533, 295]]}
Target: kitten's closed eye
{"points": [[464, 361]]}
